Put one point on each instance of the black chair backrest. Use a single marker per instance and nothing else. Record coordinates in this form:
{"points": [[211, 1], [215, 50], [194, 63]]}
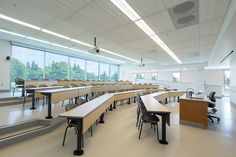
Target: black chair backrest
{"points": [[81, 101], [70, 106], [212, 96], [141, 105], [19, 81]]}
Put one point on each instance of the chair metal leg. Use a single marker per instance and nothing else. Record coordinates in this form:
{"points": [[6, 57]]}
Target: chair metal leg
{"points": [[154, 127], [140, 131], [13, 91], [137, 120], [64, 138], [24, 102], [91, 130], [210, 118], [157, 133], [139, 123], [62, 103]]}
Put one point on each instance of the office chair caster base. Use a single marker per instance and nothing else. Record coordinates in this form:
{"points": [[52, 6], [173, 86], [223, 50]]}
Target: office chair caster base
{"points": [[163, 142], [78, 152]]}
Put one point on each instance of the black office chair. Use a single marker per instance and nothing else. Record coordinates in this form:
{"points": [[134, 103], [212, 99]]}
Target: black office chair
{"points": [[146, 117], [212, 105], [72, 123], [19, 83], [28, 95]]}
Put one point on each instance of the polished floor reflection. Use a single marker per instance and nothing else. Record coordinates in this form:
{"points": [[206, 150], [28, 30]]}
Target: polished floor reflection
{"points": [[119, 137]]}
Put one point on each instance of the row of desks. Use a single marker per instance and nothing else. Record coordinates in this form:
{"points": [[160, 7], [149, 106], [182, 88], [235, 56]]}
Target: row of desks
{"points": [[89, 112], [58, 93], [37, 83]]}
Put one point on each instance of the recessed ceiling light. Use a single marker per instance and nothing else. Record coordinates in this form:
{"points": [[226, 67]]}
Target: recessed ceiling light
{"points": [[130, 12], [113, 53], [39, 40], [12, 33], [55, 34], [81, 43], [62, 36], [142, 25], [19, 22], [126, 9]]}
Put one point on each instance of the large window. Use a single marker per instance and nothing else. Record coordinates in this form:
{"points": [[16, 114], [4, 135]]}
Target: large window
{"points": [[104, 71], [56, 67], [27, 63], [176, 76], [114, 72], [77, 69], [227, 79], [154, 76], [92, 70], [31, 64], [140, 76]]}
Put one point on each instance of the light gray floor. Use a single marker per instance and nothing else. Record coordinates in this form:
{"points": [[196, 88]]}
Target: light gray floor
{"points": [[119, 137]]}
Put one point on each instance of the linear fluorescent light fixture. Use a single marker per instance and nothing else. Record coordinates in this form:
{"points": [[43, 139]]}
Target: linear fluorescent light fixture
{"points": [[12, 33], [126, 9], [39, 40], [113, 53], [55, 34], [130, 12], [81, 43], [142, 25], [19, 22], [54, 44]]}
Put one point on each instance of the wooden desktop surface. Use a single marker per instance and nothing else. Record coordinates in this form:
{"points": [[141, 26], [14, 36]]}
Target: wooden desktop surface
{"points": [[38, 82]]}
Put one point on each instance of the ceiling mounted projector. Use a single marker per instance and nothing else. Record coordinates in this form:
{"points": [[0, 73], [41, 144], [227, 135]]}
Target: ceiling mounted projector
{"points": [[141, 64], [95, 49]]}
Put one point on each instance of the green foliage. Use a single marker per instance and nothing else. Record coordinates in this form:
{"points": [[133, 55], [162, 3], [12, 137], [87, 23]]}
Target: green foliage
{"points": [[104, 76], [91, 76], [57, 70], [34, 71], [114, 77], [18, 70], [77, 73]]}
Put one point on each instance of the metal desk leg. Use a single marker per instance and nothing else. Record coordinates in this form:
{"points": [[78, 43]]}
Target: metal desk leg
{"points": [[79, 151], [49, 108], [111, 108], [33, 102], [114, 105], [163, 132], [101, 118]]}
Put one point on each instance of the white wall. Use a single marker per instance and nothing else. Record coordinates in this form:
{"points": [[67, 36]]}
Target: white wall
{"points": [[5, 65], [233, 80], [165, 76], [198, 78]]}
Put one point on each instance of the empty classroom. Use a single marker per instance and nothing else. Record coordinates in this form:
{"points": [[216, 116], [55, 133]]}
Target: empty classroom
{"points": [[102, 78]]}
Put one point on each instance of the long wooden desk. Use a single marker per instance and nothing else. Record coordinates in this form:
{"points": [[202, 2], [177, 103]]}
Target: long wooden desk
{"points": [[36, 83], [151, 102], [194, 111], [89, 83], [56, 95], [36, 93], [89, 112]]}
